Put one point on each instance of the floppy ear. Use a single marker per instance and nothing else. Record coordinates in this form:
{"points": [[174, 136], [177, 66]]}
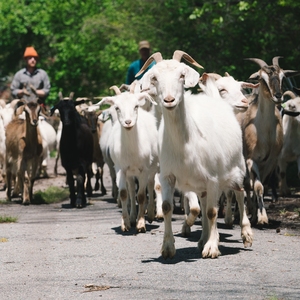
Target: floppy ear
{"points": [[249, 85], [106, 100], [255, 76], [191, 77], [145, 84]]}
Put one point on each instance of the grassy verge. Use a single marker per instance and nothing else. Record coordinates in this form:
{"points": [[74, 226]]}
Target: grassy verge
{"points": [[51, 195], [8, 219]]}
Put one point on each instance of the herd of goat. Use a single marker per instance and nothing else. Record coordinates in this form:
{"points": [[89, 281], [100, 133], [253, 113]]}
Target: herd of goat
{"points": [[158, 135]]}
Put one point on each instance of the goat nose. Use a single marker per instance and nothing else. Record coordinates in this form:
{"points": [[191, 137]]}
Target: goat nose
{"points": [[35, 121], [169, 99], [278, 96], [128, 122]]}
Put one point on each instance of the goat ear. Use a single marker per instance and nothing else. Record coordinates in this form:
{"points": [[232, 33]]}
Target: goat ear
{"points": [[106, 100], [290, 73], [203, 78], [60, 96], [249, 85], [78, 102], [191, 77], [255, 76], [145, 84], [19, 108]]}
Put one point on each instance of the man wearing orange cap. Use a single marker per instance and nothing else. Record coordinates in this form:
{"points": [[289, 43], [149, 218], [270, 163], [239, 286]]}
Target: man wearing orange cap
{"points": [[144, 50], [31, 83]]}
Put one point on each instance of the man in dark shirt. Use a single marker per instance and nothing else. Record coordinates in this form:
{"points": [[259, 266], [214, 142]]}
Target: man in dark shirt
{"points": [[31, 82], [144, 50]]}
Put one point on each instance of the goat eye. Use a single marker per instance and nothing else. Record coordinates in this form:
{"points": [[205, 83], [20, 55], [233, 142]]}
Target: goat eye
{"points": [[222, 91], [136, 107], [117, 108], [182, 77], [154, 78]]}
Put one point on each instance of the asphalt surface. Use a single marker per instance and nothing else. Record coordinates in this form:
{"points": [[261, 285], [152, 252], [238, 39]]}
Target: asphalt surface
{"points": [[58, 252]]}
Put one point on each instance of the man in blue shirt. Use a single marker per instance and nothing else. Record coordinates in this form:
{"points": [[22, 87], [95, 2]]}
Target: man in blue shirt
{"points": [[31, 82], [144, 50]]}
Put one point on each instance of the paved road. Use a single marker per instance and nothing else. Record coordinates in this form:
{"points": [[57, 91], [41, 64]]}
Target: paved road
{"points": [[55, 252]]}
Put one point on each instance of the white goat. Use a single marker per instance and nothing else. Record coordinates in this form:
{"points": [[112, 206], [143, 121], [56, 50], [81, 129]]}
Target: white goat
{"points": [[134, 153], [291, 137], [200, 147], [229, 90], [109, 117], [48, 134], [58, 137]]}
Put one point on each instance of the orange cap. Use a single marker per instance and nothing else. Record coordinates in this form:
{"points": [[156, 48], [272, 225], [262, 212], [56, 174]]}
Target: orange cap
{"points": [[30, 51]]}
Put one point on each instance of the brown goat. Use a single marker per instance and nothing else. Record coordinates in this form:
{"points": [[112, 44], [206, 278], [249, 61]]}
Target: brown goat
{"points": [[96, 128], [263, 135], [23, 149]]}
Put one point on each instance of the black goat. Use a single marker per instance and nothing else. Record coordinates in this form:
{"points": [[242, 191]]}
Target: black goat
{"points": [[76, 149]]}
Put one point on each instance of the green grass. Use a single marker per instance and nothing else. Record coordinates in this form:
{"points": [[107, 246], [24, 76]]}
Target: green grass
{"points": [[51, 195], [53, 153], [8, 219]]}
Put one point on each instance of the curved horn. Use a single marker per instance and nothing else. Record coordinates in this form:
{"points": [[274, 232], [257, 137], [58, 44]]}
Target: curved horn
{"points": [[275, 60], [116, 89], [289, 93], [227, 74], [259, 61], [71, 95], [178, 55], [60, 95], [155, 56]]}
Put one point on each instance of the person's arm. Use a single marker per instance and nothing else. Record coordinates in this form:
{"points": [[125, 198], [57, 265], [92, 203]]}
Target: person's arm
{"points": [[15, 86], [44, 92]]}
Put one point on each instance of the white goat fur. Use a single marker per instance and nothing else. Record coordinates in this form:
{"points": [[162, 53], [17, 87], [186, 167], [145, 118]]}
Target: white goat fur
{"points": [[133, 149], [291, 147], [109, 117], [48, 134], [200, 145], [229, 90]]}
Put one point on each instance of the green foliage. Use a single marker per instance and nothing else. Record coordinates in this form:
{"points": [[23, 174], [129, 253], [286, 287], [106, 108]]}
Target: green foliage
{"points": [[87, 46]]}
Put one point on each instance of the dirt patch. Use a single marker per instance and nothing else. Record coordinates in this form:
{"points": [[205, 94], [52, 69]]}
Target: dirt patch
{"points": [[285, 213]]}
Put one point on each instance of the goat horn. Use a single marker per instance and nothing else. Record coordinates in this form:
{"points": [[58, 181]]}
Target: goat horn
{"points": [[116, 89], [60, 95], [178, 55], [71, 95], [124, 87], [156, 56], [227, 74], [289, 93], [275, 60], [259, 61]]}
